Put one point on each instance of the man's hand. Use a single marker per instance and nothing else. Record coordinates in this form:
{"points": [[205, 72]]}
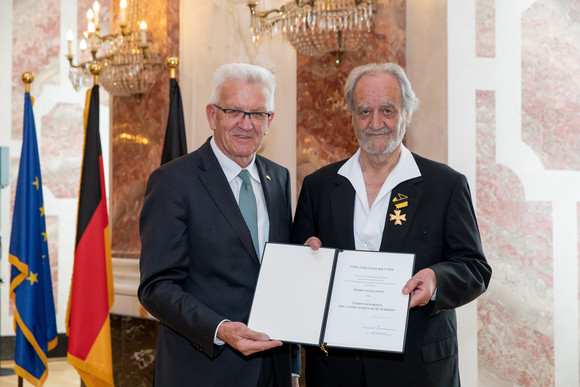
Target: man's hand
{"points": [[295, 381], [245, 340], [313, 242], [421, 287]]}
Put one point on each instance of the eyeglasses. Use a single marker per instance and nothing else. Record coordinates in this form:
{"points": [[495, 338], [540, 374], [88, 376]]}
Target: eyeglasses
{"points": [[236, 114]]}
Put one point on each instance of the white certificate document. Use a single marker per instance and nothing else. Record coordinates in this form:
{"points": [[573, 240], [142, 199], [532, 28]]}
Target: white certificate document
{"points": [[292, 293], [348, 299], [367, 308]]}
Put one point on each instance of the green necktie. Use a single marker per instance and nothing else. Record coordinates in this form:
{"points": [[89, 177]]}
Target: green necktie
{"points": [[248, 207]]}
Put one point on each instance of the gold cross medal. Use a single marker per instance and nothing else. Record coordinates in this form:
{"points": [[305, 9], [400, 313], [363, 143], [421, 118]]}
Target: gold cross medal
{"points": [[400, 202]]}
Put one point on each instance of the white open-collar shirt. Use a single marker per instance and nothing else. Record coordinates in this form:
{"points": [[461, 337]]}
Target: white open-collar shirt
{"points": [[369, 221]]}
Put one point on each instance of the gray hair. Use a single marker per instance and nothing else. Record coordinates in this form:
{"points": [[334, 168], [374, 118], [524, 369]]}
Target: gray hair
{"points": [[244, 72], [410, 102]]}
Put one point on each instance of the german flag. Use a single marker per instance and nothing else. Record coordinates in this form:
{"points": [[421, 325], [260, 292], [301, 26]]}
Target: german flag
{"points": [[91, 294]]}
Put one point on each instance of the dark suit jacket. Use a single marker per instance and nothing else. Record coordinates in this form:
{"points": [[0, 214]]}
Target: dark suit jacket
{"points": [[199, 267], [441, 230]]}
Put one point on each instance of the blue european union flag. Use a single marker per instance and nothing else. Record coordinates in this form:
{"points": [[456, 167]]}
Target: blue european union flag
{"points": [[31, 284]]}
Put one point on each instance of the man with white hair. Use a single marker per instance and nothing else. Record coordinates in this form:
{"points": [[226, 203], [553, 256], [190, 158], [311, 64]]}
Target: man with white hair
{"points": [[385, 198], [204, 223]]}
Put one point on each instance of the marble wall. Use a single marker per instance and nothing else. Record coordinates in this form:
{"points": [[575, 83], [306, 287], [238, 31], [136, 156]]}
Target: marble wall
{"points": [[35, 41], [514, 95]]}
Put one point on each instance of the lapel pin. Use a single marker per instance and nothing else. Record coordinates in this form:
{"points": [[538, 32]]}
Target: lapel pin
{"points": [[268, 177], [401, 201]]}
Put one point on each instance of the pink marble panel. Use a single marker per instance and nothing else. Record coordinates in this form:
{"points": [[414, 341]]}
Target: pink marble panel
{"points": [[515, 338], [35, 48], [485, 28], [173, 30], [137, 135], [551, 82], [61, 149], [324, 129]]}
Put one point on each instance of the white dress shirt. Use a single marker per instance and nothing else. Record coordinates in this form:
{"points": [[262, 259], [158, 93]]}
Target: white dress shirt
{"points": [[369, 221], [232, 170]]}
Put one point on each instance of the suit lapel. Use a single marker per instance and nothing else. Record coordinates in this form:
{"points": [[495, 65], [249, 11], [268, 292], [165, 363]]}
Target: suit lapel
{"points": [[342, 206], [214, 180], [403, 205], [270, 193]]}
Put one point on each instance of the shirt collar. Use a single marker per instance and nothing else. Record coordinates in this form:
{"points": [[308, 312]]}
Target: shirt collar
{"points": [[230, 167], [406, 169]]}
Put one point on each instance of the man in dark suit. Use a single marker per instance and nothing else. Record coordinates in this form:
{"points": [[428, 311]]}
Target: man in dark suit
{"points": [[384, 198], [200, 251]]}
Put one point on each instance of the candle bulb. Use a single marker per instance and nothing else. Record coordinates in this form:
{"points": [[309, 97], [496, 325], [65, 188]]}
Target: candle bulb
{"points": [[69, 39], [122, 9], [92, 34], [90, 16], [83, 45], [143, 27], [96, 9]]}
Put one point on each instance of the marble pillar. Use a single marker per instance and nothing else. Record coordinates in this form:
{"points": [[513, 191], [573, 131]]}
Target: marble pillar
{"points": [[137, 135]]}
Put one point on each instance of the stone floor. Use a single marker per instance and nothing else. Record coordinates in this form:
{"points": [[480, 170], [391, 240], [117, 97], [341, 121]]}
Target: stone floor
{"points": [[60, 374]]}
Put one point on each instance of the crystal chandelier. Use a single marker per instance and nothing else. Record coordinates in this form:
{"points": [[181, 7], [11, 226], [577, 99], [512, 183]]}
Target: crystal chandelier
{"points": [[129, 65], [316, 27]]}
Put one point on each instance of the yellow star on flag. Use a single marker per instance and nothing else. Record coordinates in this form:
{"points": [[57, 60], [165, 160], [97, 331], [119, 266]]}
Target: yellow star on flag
{"points": [[35, 183], [398, 217], [32, 278], [41, 211], [45, 236]]}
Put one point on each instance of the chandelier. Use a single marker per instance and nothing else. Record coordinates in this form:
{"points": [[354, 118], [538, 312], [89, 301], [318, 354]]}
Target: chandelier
{"points": [[129, 65], [316, 27]]}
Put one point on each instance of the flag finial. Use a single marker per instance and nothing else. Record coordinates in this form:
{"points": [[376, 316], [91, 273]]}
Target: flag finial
{"points": [[27, 78], [95, 69], [172, 62]]}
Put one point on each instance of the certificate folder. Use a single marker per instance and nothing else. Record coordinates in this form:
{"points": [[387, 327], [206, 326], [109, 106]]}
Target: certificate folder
{"points": [[333, 298]]}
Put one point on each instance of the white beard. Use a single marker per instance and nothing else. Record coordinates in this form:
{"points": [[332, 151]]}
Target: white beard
{"points": [[392, 144]]}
